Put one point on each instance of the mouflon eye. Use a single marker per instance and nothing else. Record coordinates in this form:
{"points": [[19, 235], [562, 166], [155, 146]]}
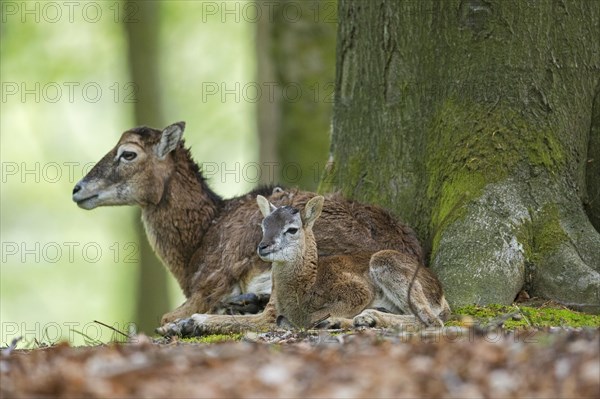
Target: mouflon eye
{"points": [[128, 155], [291, 230]]}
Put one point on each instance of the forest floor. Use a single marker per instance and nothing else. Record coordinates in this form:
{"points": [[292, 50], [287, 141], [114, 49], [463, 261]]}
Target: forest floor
{"points": [[478, 360]]}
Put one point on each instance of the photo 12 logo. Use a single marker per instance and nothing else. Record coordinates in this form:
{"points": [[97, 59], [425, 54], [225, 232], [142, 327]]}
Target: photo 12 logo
{"points": [[253, 92], [69, 252], [255, 172], [322, 11], [53, 12], [53, 92], [39, 334], [47, 172]]}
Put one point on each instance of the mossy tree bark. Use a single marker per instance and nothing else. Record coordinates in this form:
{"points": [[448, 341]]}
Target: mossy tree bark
{"points": [[475, 122], [296, 56], [143, 57], [592, 199]]}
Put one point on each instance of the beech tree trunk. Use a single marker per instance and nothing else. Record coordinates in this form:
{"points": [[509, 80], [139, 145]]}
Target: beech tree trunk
{"points": [[296, 52], [143, 57], [478, 123]]}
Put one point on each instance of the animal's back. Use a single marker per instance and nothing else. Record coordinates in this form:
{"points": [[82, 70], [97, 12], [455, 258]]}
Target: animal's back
{"points": [[227, 261], [350, 227]]}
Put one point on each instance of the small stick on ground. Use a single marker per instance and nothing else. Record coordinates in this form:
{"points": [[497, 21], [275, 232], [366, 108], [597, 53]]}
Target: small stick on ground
{"points": [[13, 345], [112, 328]]}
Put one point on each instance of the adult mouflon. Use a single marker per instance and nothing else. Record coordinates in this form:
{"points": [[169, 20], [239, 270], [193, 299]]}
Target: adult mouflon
{"points": [[207, 242]]}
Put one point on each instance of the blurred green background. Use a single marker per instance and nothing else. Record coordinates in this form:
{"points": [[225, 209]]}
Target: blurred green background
{"points": [[67, 95]]}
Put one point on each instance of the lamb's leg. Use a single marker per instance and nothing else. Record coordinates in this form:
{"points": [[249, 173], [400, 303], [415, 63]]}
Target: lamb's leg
{"points": [[319, 323], [242, 304], [336, 313], [376, 318], [324, 320], [392, 272], [205, 324], [336, 323]]}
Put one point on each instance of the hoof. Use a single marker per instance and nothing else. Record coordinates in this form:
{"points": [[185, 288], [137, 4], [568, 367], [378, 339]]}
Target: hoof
{"points": [[249, 303], [329, 324], [365, 320], [189, 327], [284, 323]]}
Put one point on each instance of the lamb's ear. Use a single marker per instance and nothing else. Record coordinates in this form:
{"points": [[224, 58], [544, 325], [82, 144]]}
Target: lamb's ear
{"points": [[169, 139], [264, 205], [312, 210]]}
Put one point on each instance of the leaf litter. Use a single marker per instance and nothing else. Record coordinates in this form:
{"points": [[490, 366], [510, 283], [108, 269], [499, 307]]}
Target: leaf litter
{"points": [[454, 362]]}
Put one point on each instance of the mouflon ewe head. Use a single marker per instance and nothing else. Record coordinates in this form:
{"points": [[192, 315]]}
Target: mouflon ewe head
{"points": [[135, 171]]}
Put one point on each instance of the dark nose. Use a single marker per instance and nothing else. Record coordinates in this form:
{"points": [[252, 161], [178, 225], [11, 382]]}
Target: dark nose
{"points": [[263, 249], [262, 246], [76, 189]]}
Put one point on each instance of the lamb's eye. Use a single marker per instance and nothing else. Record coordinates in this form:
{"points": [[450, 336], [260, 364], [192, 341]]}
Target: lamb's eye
{"points": [[291, 230], [128, 155]]}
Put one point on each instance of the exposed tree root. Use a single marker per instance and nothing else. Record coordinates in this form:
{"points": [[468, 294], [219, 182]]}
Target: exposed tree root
{"points": [[522, 232]]}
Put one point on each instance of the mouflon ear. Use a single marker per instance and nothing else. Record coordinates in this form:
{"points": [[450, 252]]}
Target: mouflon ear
{"points": [[169, 139], [266, 208], [312, 210]]}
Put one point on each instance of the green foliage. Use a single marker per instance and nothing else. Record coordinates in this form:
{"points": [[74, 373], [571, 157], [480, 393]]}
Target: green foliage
{"points": [[213, 339], [529, 317]]}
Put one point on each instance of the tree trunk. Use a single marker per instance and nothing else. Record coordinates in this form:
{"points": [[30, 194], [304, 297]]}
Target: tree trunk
{"points": [[471, 120], [592, 199], [152, 292], [296, 53]]}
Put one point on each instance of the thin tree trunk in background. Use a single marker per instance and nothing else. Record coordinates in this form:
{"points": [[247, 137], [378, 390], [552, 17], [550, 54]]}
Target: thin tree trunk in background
{"points": [[268, 110], [142, 35], [475, 122], [296, 53], [592, 166]]}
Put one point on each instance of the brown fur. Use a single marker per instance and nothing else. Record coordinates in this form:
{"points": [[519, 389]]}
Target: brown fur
{"points": [[309, 288], [209, 244]]}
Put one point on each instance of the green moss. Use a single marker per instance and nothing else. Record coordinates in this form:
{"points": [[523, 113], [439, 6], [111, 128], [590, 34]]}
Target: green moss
{"points": [[354, 171], [548, 233], [454, 193], [471, 145], [531, 317], [543, 235], [213, 339], [546, 151]]}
